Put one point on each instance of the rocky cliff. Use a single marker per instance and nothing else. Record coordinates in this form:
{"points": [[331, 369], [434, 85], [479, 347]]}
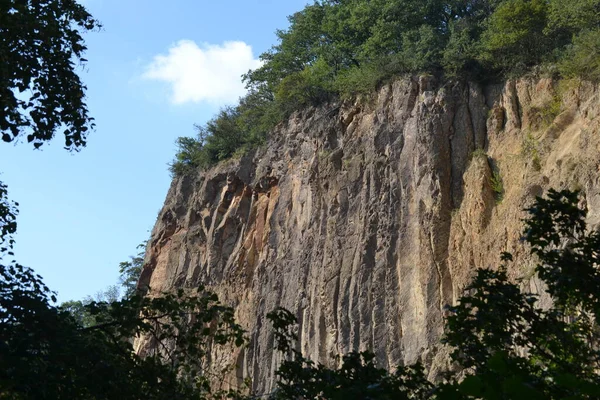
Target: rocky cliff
{"points": [[366, 218]]}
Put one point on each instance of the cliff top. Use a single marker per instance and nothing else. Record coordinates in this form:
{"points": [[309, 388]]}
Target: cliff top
{"points": [[347, 48]]}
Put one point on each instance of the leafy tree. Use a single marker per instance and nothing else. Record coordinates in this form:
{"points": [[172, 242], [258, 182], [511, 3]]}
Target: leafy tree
{"points": [[514, 39], [111, 294], [573, 16], [45, 353], [517, 348], [234, 130], [189, 155], [507, 345], [299, 46], [8, 221], [78, 310], [308, 87], [129, 274], [84, 351], [422, 49], [130, 271], [258, 114], [582, 57], [40, 92], [568, 252], [222, 135], [217, 140], [43, 343]]}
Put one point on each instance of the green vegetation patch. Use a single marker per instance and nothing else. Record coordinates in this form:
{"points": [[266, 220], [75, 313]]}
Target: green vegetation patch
{"points": [[497, 185], [479, 153], [345, 48], [530, 151], [231, 133]]}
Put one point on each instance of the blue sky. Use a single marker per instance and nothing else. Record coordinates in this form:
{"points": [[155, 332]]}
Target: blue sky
{"points": [[154, 70]]}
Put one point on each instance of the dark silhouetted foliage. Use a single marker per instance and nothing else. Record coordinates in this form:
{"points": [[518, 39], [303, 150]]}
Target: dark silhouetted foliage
{"points": [[40, 92]]}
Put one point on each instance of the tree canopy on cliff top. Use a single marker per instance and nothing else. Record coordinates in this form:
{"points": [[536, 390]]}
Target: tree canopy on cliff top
{"points": [[343, 48]]}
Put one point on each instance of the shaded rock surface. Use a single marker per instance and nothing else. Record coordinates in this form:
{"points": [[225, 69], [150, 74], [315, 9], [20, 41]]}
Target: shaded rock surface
{"points": [[365, 219]]}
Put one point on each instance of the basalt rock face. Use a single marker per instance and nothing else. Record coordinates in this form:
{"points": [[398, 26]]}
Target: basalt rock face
{"points": [[365, 219]]}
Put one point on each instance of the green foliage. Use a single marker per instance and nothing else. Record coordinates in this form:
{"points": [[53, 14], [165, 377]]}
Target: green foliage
{"points": [[342, 49], [222, 135], [233, 131], [495, 321], [497, 185], [109, 295], [79, 309], [40, 90], [479, 153], [552, 109], [79, 312], [310, 86], [360, 80], [129, 271], [548, 112], [8, 221], [459, 57], [84, 351], [530, 151], [189, 156], [46, 353], [514, 40], [572, 16], [582, 57], [217, 140], [258, 114], [571, 271], [422, 49], [507, 346]]}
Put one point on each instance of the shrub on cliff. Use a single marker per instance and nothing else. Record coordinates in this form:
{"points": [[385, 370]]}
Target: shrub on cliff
{"points": [[234, 130]]}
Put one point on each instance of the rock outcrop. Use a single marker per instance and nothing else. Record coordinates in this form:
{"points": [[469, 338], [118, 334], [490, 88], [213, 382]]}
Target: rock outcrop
{"points": [[367, 218]]}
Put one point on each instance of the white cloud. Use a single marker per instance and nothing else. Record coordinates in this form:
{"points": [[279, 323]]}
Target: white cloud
{"points": [[211, 73]]}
